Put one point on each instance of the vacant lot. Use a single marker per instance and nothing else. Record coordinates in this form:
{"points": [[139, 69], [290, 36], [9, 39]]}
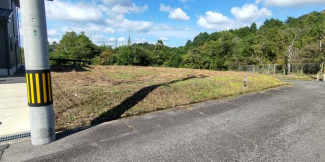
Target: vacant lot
{"points": [[89, 95]]}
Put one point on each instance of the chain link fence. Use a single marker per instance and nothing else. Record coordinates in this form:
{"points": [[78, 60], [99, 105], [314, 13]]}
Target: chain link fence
{"points": [[311, 68]]}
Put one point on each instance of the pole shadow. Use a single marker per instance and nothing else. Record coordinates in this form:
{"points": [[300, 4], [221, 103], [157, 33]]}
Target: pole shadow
{"points": [[127, 104], [116, 112], [311, 76], [69, 68]]}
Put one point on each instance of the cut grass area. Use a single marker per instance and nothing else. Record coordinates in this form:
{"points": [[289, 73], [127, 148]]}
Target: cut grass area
{"points": [[94, 94]]}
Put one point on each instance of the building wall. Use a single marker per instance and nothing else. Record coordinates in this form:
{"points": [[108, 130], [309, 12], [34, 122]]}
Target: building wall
{"points": [[3, 59], [12, 37], [5, 4]]}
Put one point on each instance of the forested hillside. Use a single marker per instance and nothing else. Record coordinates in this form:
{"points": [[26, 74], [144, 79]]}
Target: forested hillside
{"points": [[297, 40]]}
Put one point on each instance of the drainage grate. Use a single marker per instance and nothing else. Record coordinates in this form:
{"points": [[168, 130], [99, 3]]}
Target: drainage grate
{"points": [[14, 137]]}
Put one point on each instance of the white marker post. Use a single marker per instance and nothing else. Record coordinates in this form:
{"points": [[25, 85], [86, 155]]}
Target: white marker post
{"points": [[245, 81], [38, 75]]}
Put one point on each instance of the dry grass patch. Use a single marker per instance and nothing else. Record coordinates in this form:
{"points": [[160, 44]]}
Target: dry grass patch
{"points": [[296, 77], [89, 95]]}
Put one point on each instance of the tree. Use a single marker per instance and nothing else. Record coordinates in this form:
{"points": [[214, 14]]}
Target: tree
{"points": [[76, 46], [291, 52], [188, 45], [160, 54], [253, 28], [160, 45], [125, 56], [106, 57], [200, 39]]}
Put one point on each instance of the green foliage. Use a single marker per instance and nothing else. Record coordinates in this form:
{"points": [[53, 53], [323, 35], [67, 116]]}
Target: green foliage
{"points": [[74, 46], [250, 45], [133, 55], [106, 57], [200, 39]]}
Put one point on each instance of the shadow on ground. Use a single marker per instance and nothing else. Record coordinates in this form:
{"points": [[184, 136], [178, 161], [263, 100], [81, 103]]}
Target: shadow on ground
{"points": [[311, 76], [69, 68], [118, 111], [18, 77], [19, 73]]}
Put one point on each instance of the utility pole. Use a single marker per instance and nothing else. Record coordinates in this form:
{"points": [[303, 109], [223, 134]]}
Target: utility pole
{"points": [[129, 41], [38, 75], [115, 42]]}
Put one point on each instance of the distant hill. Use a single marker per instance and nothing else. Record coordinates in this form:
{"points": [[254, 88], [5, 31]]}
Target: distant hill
{"points": [[296, 40]]}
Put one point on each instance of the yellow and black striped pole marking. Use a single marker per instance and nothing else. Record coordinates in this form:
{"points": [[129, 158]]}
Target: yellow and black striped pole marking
{"points": [[39, 88]]}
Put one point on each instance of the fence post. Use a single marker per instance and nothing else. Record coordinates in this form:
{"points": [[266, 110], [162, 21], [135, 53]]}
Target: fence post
{"points": [[268, 69], [274, 68], [253, 68]]}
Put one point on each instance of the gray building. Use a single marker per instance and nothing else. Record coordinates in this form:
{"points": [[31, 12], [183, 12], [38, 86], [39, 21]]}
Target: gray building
{"points": [[10, 58]]}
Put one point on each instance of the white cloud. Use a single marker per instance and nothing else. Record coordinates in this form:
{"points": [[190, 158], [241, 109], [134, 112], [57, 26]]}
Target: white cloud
{"points": [[88, 28], [178, 14], [68, 11], [164, 8], [130, 25], [258, 1], [84, 13], [187, 29], [244, 16], [163, 27], [216, 21], [250, 13], [174, 13], [116, 10], [101, 39], [164, 38], [51, 40], [121, 40], [118, 2], [165, 32], [292, 3], [109, 30], [121, 10], [140, 40], [52, 33], [184, 1], [181, 34]]}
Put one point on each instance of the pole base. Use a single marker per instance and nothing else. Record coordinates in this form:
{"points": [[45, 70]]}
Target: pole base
{"points": [[43, 141], [42, 125]]}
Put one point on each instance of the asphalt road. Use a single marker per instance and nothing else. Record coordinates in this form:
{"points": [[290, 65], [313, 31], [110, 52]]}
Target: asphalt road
{"points": [[283, 124]]}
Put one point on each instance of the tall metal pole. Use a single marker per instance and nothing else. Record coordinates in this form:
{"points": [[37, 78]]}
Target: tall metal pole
{"points": [[38, 73]]}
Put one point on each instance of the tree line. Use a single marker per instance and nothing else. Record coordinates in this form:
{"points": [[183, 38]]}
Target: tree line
{"points": [[296, 40]]}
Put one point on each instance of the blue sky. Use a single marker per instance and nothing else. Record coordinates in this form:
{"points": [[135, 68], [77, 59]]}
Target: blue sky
{"points": [[173, 21]]}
